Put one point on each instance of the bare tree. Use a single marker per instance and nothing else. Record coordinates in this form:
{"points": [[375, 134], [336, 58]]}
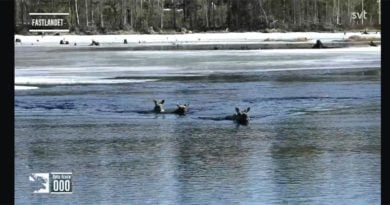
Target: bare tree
{"points": [[315, 12], [338, 13], [101, 10], [174, 13], [123, 12], [349, 12], [161, 5], [362, 12], [206, 13], [86, 13], [379, 11], [262, 9], [77, 13]]}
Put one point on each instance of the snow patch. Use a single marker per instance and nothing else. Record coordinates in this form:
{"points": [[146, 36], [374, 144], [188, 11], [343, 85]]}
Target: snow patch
{"points": [[65, 80], [197, 38], [20, 87]]}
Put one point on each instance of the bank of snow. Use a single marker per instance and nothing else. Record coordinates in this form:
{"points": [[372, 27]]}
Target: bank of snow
{"points": [[198, 38], [69, 80], [21, 87]]}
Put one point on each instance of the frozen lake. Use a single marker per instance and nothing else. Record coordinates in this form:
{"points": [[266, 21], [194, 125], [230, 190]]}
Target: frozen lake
{"points": [[314, 136]]}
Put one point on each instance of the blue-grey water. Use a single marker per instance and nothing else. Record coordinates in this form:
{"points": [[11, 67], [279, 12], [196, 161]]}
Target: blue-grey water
{"points": [[313, 138]]}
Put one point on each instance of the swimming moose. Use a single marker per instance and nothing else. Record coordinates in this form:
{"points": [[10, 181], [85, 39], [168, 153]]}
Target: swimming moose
{"points": [[159, 108], [241, 117]]}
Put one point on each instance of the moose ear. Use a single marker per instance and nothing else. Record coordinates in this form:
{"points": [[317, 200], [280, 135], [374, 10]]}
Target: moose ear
{"points": [[155, 101], [247, 110], [237, 110], [177, 105], [162, 101]]}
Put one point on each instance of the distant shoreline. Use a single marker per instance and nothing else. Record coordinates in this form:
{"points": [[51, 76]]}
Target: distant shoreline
{"points": [[220, 46], [201, 41]]}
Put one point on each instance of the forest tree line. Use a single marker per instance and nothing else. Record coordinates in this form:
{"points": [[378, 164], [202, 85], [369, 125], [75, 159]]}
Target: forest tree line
{"points": [[149, 16]]}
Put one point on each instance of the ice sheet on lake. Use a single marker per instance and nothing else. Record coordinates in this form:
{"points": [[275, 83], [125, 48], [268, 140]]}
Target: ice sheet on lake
{"points": [[141, 67]]}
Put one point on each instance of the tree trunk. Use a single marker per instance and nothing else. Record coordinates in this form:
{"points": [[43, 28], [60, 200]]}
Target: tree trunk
{"points": [[284, 11], [333, 11], [184, 13], [124, 13], [295, 12], [206, 13], [315, 12], [379, 12], [70, 13], [174, 14], [191, 23], [326, 11], [77, 13], [162, 15], [300, 12], [349, 12], [338, 13], [265, 15], [101, 20], [362, 12], [86, 13], [22, 11], [133, 11], [101, 10], [213, 8]]}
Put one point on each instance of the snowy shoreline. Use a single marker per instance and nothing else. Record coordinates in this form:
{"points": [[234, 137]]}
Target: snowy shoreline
{"points": [[200, 41]]}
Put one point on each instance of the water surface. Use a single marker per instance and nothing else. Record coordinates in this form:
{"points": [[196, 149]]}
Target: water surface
{"points": [[314, 135]]}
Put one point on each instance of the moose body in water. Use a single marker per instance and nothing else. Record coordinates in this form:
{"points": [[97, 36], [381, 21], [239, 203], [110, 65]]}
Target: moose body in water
{"points": [[240, 117], [159, 108], [319, 45]]}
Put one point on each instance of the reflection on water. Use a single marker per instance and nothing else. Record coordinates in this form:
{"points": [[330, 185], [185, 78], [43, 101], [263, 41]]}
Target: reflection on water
{"points": [[312, 139]]}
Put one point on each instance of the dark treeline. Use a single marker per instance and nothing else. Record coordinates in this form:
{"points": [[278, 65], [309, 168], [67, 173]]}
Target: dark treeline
{"points": [[149, 16]]}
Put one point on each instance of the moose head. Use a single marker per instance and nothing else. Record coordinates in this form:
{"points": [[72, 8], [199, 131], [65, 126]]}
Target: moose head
{"points": [[242, 117], [181, 109], [158, 106]]}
